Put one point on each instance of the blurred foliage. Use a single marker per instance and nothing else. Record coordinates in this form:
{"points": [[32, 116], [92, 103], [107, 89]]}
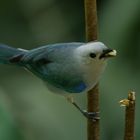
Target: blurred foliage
{"points": [[27, 110]]}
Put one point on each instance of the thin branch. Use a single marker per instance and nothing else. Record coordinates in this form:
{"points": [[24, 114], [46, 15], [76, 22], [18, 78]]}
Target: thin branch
{"points": [[129, 103], [93, 95], [93, 131], [91, 20]]}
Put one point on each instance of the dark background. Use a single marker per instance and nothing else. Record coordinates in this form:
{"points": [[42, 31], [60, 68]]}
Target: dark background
{"points": [[27, 110]]}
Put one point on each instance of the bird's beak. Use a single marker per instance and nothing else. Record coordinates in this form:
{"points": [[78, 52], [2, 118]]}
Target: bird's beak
{"points": [[108, 53]]}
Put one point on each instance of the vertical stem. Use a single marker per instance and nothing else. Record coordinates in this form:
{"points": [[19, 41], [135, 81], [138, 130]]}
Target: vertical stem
{"points": [[93, 95], [93, 131], [130, 117], [91, 20]]}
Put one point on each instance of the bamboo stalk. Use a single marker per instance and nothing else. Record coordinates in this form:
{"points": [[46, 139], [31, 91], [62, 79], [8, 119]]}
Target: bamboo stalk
{"points": [[93, 95]]}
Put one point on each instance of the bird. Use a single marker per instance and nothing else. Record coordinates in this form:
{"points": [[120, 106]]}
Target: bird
{"points": [[66, 68]]}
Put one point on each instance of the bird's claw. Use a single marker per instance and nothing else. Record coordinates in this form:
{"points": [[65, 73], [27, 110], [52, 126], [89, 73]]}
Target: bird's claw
{"points": [[94, 116]]}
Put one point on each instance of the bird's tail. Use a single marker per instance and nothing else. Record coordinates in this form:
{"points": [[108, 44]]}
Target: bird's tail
{"points": [[9, 55]]}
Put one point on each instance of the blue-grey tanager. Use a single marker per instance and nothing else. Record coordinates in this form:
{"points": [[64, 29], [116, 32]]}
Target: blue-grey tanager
{"points": [[64, 67]]}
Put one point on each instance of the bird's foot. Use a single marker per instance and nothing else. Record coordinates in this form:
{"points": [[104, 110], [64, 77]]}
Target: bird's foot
{"points": [[93, 116]]}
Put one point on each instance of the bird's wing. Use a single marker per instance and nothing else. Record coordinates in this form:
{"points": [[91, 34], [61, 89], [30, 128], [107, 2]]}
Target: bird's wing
{"points": [[66, 80], [55, 65], [53, 51]]}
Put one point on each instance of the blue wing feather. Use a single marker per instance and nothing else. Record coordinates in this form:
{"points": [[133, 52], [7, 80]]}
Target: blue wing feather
{"points": [[79, 88], [52, 64]]}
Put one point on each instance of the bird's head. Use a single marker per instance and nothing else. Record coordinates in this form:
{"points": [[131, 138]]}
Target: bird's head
{"points": [[93, 52]]}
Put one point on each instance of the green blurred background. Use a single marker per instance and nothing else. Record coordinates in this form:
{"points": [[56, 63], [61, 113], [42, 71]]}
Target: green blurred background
{"points": [[27, 110]]}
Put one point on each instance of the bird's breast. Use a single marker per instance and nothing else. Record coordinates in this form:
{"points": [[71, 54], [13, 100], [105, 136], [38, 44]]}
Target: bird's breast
{"points": [[92, 75]]}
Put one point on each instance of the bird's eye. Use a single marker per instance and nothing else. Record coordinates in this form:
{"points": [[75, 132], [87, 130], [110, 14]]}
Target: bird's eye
{"points": [[92, 55]]}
